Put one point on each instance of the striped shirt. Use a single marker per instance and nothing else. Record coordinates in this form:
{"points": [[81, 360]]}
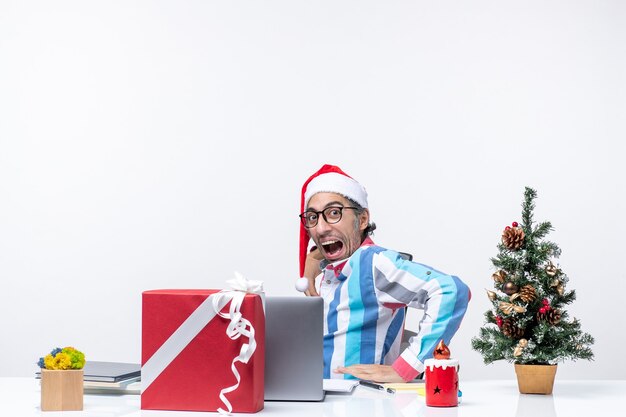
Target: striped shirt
{"points": [[364, 309]]}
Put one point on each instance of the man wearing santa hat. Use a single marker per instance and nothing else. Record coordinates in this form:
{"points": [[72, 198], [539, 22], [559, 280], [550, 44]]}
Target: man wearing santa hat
{"points": [[366, 287]]}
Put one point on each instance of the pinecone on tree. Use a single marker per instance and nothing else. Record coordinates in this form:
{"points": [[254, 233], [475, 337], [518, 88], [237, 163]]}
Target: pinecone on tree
{"points": [[551, 315], [527, 294], [510, 329], [513, 238]]}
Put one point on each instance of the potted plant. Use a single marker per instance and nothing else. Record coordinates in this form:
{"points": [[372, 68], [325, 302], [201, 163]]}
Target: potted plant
{"points": [[62, 380], [528, 324]]}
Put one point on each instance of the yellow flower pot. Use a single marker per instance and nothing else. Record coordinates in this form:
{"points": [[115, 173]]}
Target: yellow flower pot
{"points": [[61, 390], [535, 379]]}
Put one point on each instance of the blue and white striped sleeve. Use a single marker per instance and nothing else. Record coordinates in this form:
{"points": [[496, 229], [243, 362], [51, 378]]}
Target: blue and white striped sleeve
{"points": [[444, 299]]}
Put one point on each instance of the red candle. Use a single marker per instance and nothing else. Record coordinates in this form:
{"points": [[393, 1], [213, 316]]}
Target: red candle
{"points": [[442, 379]]}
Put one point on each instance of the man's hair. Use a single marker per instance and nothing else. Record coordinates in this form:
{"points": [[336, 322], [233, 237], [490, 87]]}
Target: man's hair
{"points": [[369, 230]]}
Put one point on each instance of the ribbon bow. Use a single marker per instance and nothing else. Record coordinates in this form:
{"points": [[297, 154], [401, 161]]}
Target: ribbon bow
{"points": [[238, 326], [240, 283]]}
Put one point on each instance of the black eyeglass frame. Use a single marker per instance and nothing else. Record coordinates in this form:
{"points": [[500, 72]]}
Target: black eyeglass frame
{"points": [[323, 213]]}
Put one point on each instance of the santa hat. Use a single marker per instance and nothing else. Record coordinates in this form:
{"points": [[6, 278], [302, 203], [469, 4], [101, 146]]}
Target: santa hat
{"points": [[328, 179]]}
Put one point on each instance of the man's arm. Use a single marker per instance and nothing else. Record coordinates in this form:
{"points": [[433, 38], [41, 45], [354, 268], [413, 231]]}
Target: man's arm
{"points": [[443, 297]]}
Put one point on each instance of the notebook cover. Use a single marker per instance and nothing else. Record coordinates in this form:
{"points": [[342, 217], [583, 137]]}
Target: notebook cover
{"points": [[110, 371]]}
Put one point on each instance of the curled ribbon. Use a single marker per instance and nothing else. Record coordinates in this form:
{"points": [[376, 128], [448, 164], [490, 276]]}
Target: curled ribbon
{"points": [[238, 326]]}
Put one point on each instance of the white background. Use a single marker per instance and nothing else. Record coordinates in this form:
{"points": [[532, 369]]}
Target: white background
{"points": [[163, 144]]}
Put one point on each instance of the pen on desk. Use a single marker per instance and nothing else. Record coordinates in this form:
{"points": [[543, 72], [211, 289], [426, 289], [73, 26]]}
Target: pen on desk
{"points": [[377, 386]]}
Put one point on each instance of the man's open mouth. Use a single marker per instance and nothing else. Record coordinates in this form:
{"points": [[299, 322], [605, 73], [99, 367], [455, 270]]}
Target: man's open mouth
{"points": [[332, 247]]}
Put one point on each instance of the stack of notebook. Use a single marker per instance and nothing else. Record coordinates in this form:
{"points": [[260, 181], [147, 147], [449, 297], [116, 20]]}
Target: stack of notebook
{"points": [[111, 377]]}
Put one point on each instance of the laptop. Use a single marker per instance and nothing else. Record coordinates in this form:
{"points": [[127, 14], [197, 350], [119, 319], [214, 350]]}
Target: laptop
{"points": [[294, 361]]}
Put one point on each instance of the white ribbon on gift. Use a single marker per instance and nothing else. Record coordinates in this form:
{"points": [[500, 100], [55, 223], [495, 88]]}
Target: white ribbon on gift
{"points": [[197, 320], [238, 326]]}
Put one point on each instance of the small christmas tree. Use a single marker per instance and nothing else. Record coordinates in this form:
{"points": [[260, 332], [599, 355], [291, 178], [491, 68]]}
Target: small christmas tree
{"points": [[528, 323]]}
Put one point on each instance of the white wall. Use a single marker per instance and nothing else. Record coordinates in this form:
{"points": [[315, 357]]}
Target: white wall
{"points": [[161, 144]]}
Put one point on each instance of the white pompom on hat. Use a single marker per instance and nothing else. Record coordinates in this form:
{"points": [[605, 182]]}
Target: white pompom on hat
{"points": [[328, 179]]}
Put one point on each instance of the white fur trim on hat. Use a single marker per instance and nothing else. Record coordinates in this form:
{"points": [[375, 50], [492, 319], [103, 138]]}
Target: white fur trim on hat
{"points": [[333, 182]]}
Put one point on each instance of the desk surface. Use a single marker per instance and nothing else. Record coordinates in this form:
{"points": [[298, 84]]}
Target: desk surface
{"points": [[21, 396]]}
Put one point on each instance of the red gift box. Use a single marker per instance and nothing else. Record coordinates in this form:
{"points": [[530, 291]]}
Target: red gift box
{"points": [[186, 354]]}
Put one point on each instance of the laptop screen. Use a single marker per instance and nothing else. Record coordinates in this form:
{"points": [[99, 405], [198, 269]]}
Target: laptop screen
{"points": [[294, 361]]}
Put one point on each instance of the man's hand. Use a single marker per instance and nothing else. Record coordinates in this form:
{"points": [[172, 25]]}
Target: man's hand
{"points": [[311, 291], [312, 270], [376, 373]]}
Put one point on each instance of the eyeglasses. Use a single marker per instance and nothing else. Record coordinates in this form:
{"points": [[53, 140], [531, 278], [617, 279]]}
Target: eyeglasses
{"points": [[331, 215]]}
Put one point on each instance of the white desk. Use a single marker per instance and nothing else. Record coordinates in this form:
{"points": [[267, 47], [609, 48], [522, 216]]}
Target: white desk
{"points": [[20, 397]]}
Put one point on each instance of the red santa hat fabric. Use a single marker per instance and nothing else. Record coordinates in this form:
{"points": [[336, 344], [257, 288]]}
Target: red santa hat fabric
{"points": [[328, 179]]}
